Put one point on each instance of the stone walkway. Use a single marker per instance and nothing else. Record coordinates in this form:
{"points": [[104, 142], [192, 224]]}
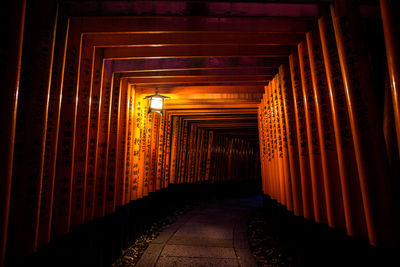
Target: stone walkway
{"points": [[213, 234]]}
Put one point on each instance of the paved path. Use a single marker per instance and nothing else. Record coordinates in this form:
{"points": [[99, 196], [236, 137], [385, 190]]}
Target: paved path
{"points": [[213, 234]]}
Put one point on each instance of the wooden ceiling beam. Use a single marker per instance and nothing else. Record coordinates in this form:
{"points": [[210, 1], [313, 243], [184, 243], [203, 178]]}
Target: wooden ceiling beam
{"points": [[183, 8], [197, 51], [185, 90], [192, 38], [202, 72], [204, 78], [160, 64]]}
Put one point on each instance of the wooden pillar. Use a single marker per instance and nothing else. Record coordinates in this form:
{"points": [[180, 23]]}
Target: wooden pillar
{"points": [[313, 139], [111, 171], [292, 147], [349, 180], [11, 51], [306, 191], [93, 135], [329, 160], [283, 151], [128, 176], [52, 132], [81, 133], [123, 116], [102, 143], [66, 138], [31, 125], [393, 60], [367, 132]]}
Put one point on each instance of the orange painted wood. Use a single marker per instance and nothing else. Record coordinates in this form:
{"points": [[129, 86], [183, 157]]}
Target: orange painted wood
{"points": [[179, 152], [81, 135], [306, 190], [137, 183], [393, 60], [284, 139], [283, 171], [147, 153], [351, 191], [196, 51], [66, 140], [52, 132], [329, 156], [155, 134], [174, 147], [8, 109], [267, 144], [317, 182], [369, 145], [31, 125], [123, 114], [93, 135], [272, 137], [133, 39], [184, 150], [292, 145], [262, 149], [209, 155], [129, 141], [136, 124], [167, 150], [203, 163], [111, 174], [176, 23], [160, 152], [103, 137], [267, 140], [189, 153]]}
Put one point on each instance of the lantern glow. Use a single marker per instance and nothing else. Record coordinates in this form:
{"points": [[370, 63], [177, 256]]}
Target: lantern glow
{"points": [[156, 102]]}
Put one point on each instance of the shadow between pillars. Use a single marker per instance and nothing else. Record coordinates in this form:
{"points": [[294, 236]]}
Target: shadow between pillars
{"points": [[101, 241], [314, 244]]}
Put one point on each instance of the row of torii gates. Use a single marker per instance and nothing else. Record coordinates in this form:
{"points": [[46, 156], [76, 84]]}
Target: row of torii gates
{"points": [[291, 91]]}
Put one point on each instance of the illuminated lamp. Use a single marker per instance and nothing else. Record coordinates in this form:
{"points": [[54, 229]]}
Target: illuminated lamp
{"points": [[156, 102]]}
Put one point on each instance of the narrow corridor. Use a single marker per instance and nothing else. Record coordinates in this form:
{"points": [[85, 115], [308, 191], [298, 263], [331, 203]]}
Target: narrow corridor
{"points": [[214, 234]]}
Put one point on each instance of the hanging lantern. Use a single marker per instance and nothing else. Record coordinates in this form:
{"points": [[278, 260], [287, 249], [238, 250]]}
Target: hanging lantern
{"points": [[156, 102]]}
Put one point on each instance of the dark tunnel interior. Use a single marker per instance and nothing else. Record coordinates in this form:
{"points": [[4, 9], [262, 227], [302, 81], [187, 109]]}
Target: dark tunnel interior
{"points": [[116, 114]]}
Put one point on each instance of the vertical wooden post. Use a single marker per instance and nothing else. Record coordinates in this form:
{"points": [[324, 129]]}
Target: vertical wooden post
{"points": [[52, 132], [292, 146], [367, 132], [209, 154], [273, 145], [261, 137], [313, 139], [393, 60], [284, 139], [160, 152], [120, 168], [127, 164], [66, 140], [174, 146], [111, 177], [31, 126], [268, 140], [137, 121], [94, 126], [81, 134], [131, 185], [103, 133], [306, 191], [11, 51], [350, 185], [279, 143], [330, 168]]}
